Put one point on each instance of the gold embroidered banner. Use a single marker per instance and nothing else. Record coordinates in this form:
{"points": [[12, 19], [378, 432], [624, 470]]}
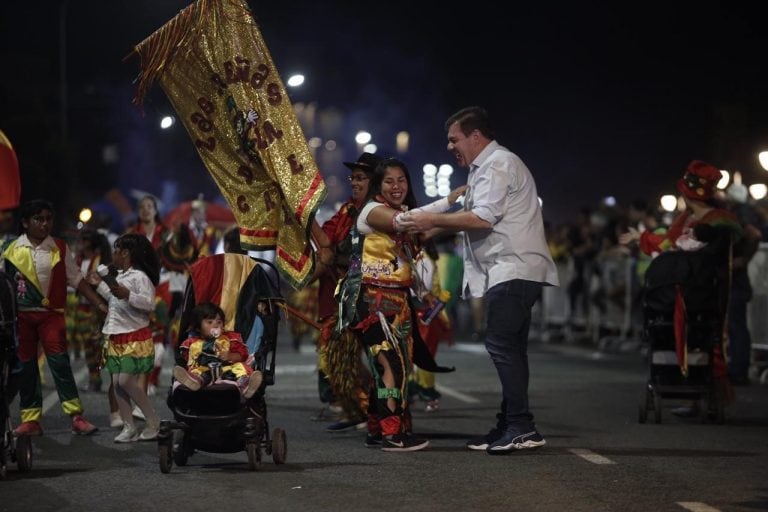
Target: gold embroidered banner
{"points": [[215, 68]]}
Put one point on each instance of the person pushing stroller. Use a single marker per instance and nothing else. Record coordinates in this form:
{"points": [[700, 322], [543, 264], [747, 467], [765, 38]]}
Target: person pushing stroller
{"points": [[213, 354]]}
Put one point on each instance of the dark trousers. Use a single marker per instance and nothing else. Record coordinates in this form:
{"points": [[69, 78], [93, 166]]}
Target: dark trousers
{"points": [[508, 319], [739, 339]]}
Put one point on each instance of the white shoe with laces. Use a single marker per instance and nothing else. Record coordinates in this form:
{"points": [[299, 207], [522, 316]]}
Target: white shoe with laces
{"points": [[129, 434], [148, 434]]}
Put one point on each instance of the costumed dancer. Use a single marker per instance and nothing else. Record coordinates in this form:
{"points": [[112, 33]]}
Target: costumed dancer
{"points": [[340, 364], [434, 325], [42, 267], [129, 285], [375, 294]]}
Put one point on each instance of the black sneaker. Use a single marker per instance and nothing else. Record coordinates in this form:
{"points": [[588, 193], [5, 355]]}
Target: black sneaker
{"points": [[516, 441], [482, 442], [373, 440], [403, 443]]}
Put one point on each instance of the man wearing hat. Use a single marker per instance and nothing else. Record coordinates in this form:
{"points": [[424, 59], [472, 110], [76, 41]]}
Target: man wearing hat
{"points": [[333, 261]]}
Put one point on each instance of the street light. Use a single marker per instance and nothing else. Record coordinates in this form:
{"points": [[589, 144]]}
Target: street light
{"points": [[758, 191], [763, 158], [723, 180], [295, 80], [363, 137], [166, 122], [669, 202]]}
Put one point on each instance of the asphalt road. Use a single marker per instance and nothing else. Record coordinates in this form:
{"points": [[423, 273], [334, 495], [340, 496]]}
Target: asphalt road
{"points": [[597, 458]]}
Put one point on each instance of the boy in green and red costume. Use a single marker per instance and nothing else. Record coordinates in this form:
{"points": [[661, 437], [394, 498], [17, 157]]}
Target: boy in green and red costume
{"points": [[42, 267]]}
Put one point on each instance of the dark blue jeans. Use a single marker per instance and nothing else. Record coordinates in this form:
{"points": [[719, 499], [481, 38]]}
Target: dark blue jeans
{"points": [[508, 319]]}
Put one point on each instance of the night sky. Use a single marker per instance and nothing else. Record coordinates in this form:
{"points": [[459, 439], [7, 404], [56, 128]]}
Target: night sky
{"points": [[598, 100]]}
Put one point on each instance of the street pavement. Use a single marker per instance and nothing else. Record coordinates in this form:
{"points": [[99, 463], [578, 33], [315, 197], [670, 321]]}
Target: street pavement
{"points": [[597, 457]]}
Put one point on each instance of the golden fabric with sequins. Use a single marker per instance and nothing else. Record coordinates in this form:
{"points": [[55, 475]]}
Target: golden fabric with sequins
{"points": [[213, 64]]}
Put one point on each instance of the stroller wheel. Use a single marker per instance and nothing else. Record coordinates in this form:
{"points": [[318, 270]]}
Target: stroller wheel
{"points": [[657, 408], [165, 450], [24, 453], [254, 455], [180, 453], [279, 446]]}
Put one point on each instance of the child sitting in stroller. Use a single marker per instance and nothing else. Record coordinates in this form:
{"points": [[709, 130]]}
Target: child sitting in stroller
{"points": [[213, 355]]}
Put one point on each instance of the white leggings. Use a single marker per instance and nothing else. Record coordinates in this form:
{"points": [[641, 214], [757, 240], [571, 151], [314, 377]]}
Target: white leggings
{"points": [[126, 389]]}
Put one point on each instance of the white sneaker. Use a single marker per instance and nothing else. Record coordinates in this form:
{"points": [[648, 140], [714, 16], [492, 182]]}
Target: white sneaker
{"points": [[129, 434], [115, 421], [254, 383], [136, 413], [148, 434]]}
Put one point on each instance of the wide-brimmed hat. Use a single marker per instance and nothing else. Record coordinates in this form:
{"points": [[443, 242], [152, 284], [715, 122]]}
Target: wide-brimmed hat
{"points": [[700, 181], [366, 162]]}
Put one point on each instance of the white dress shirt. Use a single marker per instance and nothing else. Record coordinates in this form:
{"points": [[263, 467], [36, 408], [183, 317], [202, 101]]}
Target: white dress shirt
{"points": [[502, 192]]}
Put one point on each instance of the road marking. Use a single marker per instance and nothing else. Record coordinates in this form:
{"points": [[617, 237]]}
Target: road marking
{"points": [[53, 397], [697, 506], [473, 348], [591, 456], [458, 395], [295, 369]]}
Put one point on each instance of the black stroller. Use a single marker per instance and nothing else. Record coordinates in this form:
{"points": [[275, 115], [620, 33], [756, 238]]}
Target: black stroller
{"points": [[700, 279], [14, 449], [214, 419]]}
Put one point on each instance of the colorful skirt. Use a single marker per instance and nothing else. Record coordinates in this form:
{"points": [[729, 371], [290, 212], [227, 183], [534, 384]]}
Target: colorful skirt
{"points": [[130, 352]]}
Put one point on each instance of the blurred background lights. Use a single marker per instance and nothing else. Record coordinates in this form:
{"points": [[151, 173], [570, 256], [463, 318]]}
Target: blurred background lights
{"points": [[445, 170], [402, 140], [429, 169], [763, 158], [363, 137], [758, 191], [330, 145], [669, 203], [315, 142], [166, 122], [609, 201], [295, 80], [370, 148], [724, 180], [85, 215]]}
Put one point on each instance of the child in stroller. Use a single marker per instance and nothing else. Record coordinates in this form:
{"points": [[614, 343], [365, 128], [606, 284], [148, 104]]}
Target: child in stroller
{"points": [[212, 354], [217, 417]]}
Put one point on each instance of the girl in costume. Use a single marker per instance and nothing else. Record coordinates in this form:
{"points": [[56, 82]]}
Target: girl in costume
{"points": [[129, 350]]}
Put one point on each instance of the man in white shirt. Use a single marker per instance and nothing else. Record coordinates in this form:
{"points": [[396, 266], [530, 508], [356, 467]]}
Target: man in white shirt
{"points": [[506, 260]]}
